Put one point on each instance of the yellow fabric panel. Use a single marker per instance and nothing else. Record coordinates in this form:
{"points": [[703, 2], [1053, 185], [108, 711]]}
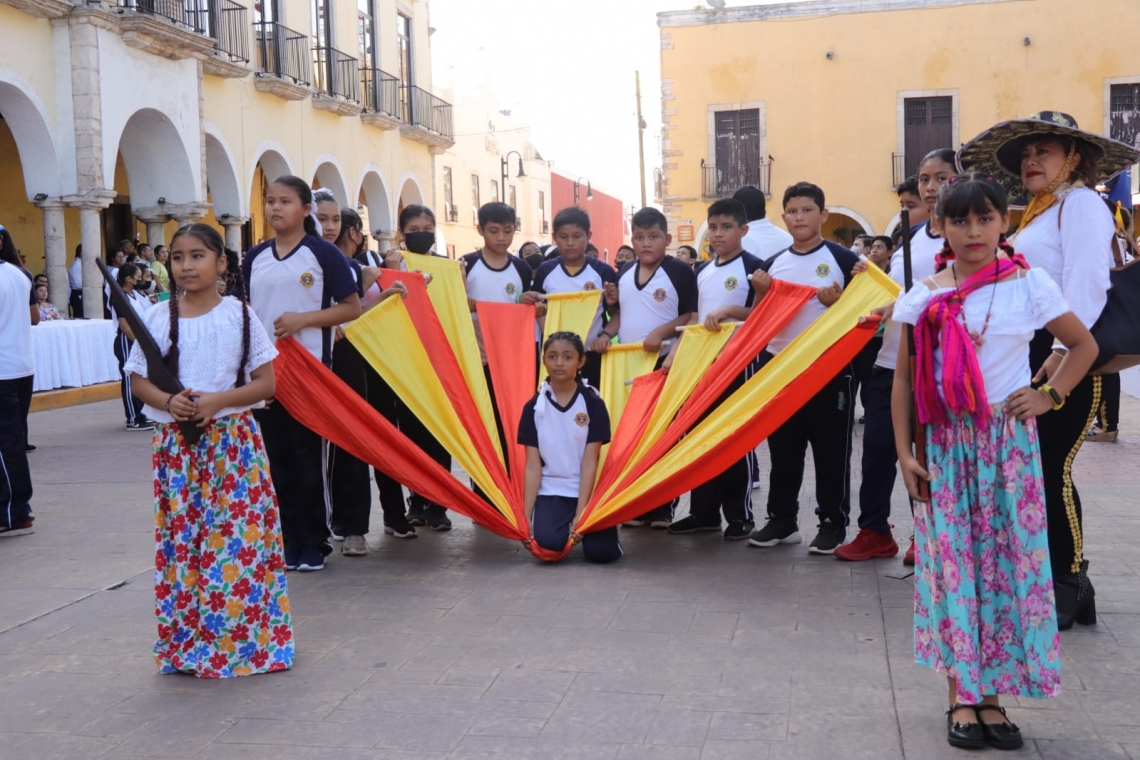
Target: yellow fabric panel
{"points": [[387, 339], [571, 312], [867, 291], [448, 295], [620, 364]]}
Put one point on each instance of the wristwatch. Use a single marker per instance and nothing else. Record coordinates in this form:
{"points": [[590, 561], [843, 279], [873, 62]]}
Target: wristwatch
{"points": [[1057, 400]]}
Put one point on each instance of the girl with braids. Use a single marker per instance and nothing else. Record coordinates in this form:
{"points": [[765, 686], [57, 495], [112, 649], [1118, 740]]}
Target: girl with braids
{"points": [[220, 592], [984, 612], [299, 285], [874, 540]]}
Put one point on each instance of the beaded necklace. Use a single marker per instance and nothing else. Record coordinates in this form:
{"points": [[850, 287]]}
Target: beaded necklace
{"points": [[978, 338]]}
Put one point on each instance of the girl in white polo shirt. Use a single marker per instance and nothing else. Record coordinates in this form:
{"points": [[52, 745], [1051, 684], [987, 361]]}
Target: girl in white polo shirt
{"points": [[563, 429]]}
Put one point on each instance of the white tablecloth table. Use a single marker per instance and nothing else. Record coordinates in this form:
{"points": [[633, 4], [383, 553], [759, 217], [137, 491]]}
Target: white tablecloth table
{"points": [[73, 353]]}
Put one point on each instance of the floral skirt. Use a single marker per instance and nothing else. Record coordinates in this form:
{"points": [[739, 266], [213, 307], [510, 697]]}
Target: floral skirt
{"points": [[983, 600], [219, 582]]}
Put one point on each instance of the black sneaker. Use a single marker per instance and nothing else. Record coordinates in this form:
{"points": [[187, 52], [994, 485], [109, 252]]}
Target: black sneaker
{"points": [[738, 530], [778, 530], [437, 518], [311, 560], [399, 527], [691, 524], [141, 424], [830, 537], [292, 554], [417, 514], [20, 529]]}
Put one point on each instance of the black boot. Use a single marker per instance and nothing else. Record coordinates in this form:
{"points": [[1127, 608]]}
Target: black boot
{"points": [[1076, 599]]}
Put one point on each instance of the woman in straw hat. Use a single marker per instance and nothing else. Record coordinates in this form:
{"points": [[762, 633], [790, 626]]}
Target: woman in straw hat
{"points": [[1067, 231]]}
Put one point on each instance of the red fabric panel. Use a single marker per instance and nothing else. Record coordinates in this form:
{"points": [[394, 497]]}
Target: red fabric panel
{"points": [[759, 426], [324, 404]]}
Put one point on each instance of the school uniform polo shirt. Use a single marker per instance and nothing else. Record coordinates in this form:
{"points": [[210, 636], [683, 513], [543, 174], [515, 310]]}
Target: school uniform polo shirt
{"points": [[668, 293], [17, 358], [553, 277], [505, 285], [560, 434], [825, 265], [311, 277], [725, 283]]}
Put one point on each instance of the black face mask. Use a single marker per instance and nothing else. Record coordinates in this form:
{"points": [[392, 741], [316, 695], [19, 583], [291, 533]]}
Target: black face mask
{"points": [[419, 242]]}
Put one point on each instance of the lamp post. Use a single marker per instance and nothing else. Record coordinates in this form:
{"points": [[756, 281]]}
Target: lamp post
{"points": [[578, 185], [504, 162]]}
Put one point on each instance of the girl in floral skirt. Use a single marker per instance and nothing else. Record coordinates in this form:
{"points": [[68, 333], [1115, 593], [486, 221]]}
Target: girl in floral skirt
{"points": [[220, 594], [984, 614]]}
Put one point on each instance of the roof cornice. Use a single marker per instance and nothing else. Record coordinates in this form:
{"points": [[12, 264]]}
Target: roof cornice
{"points": [[808, 9]]}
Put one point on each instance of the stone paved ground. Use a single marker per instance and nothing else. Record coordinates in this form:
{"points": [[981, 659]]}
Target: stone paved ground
{"points": [[461, 646]]}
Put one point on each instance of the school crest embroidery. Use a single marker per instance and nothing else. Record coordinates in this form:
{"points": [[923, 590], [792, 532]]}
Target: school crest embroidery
{"points": [[823, 270], [511, 289], [590, 286], [659, 295], [730, 283], [307, 280], [581, 419]]}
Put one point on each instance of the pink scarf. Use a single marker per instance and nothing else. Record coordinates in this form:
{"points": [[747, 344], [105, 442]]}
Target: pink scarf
{"points": [[962, 384]]}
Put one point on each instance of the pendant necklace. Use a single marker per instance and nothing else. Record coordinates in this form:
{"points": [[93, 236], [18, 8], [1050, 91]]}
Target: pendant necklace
{"points": [[977, 338]]}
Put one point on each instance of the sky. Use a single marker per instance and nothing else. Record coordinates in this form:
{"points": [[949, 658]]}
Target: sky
{"points": [[569, 65]]}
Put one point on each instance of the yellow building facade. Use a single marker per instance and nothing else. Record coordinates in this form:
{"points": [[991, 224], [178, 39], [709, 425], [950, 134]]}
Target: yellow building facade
{"points": [[849, 94], [126, 118]]}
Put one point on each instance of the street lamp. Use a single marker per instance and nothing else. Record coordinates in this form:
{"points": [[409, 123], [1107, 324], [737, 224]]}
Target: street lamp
{"points": [[504, 162], [589, 190]]}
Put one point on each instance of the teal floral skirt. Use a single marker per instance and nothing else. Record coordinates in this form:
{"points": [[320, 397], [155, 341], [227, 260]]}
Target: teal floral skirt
{"points": [[219, 582], [983, 602]]}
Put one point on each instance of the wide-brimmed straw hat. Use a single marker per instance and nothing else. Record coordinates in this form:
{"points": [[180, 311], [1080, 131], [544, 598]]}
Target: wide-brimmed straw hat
{"points": [[997, 150]]}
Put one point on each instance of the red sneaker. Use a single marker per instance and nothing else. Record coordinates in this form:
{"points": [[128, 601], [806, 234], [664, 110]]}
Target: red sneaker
{"points": [[908, 558], [868, 545]]}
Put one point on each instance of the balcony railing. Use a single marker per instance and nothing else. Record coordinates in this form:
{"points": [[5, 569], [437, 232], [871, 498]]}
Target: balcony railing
{"points": [[898, 170], [226, 21], [336, 73], [283, 52], [381, 92], [723, 182], [184, 13], [426, 111]]}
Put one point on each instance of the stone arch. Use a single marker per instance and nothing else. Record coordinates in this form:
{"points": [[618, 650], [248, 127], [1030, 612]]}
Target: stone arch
{"points": [[156, 160], [273, 159], [329, 175], [25, 117], [853, 216], [373, 193], [410, 191], [221, 175], [891, 225]]}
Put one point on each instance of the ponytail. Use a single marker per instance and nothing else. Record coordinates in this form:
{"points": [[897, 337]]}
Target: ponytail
{"points": [[311, 226]]}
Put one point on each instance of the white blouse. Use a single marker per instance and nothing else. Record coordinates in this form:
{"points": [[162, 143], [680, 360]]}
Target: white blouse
{"points": [[1020, 307], [209, 349], [1072, 243]]}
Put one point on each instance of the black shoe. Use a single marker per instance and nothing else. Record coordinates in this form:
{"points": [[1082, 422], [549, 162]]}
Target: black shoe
{"points": [[311, 560], [292, 555], [738, 530], [417, 514], [691, 524], [141, 424], [437, 519], [29, 448], [398, 526], [1004, 735], [830, 537], [1076, 599], [778, 530], [964, 735]]}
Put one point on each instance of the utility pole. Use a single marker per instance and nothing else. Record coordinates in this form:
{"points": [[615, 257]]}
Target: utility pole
{"points": [[640, 136]]}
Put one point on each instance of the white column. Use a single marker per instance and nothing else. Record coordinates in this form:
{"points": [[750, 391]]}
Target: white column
{"points": [[55, 254], [385, 239], [155, 229], [91, 235], [232, 226]]}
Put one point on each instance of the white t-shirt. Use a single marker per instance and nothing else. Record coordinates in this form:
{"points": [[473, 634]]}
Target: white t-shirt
{"points": [[669, 292], [924, 247], [16, 356], [553, 277], [825, 265], [1020, 307], [311, 277], [561, 433], [209, 349], [140, 303], [725, 284], [1076, 251], [764, 239], [485, 283], [75, 274]]}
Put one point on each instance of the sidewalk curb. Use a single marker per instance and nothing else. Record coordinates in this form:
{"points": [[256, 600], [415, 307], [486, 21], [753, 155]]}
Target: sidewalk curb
{"points": [[65, 397]]}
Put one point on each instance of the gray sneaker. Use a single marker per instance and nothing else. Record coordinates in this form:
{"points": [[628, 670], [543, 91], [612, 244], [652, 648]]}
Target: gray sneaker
{"points": [[354, 546]]}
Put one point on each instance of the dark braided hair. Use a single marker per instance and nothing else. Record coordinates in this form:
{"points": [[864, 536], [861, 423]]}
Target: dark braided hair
{"points": [[212, 240]]}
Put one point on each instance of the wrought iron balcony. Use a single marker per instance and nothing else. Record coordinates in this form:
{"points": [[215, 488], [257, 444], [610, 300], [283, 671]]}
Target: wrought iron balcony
{"points": [[428, 118], [227, 22], [380, 96], [724, 181], [283, 57], [898, 170], [174, 29], [335, 73]]}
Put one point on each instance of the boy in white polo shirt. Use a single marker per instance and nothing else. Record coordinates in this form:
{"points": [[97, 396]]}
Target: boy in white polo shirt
{"points": [[826, 420], [724, 295]]}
